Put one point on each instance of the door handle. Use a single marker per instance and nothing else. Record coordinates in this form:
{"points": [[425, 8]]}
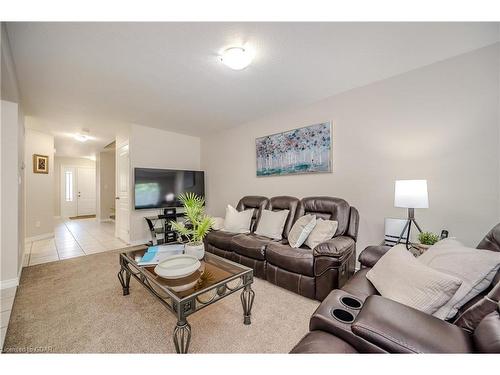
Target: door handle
{"points": [[117, 198]]}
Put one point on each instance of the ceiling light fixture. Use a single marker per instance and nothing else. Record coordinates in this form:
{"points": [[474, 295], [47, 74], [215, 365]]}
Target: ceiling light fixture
{"points": [[81, 137], [236, 58]]}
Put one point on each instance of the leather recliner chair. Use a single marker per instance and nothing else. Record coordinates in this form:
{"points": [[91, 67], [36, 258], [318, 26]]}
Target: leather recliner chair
{"points": [[310, 272], [375, 324]]}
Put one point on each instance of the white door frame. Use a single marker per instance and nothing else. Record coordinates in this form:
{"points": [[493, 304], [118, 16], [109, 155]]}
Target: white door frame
{"points": [[75, 187], [122, 197]]}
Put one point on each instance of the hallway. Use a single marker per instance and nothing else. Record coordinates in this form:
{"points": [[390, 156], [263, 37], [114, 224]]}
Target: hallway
{"points": [[73, 238]]}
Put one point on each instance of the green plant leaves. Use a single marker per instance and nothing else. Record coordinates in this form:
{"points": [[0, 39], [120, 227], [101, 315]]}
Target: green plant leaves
{"points": [[428, 238], [197, 224]]}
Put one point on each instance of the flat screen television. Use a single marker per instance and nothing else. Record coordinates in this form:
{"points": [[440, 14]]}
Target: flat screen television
{"points": [[159, 188]]}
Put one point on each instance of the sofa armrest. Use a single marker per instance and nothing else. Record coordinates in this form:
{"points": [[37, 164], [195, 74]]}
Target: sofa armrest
{"points": [[398, 328], [371, 254], [337, 247]]}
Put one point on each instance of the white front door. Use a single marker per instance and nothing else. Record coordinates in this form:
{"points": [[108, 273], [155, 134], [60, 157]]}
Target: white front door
{"points": [[86, 191], [78, 191], [122, 220]]}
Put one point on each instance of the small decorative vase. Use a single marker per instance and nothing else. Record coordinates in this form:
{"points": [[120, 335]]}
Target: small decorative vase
{"points": [[195, 250]]}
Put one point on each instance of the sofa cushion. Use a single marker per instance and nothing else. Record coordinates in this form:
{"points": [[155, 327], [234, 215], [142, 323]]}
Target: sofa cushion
{"points": [[399, 276], [271, 224], [301, 229], [250, 245], [450, 256], [238, 221], [220, 239], [320, 342], [299, 260], [324, 230]]}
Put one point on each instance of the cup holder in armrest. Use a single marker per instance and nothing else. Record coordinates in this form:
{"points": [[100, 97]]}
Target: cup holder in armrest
{"points": [[351, 302], [343, 315]]}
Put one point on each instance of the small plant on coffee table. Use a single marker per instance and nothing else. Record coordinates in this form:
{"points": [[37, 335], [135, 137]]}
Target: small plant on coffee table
{"points": [[197, 223], [428, 238]]}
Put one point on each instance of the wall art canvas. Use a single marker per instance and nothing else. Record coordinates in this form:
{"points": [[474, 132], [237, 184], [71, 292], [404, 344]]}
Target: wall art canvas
{"points": [[40, 164], [302, 150]]}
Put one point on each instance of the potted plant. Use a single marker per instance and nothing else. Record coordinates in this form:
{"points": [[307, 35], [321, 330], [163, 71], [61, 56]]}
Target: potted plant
{"points": [[196, 226], [426, 240]]}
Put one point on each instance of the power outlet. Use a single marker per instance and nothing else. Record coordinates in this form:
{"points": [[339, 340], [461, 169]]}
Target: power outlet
{"points": [[37, 224]]}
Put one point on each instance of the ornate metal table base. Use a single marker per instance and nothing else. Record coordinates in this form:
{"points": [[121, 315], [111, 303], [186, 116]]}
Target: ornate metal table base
{"points": [[182, 337], [124, 277], [183, 307], [247, 297]]}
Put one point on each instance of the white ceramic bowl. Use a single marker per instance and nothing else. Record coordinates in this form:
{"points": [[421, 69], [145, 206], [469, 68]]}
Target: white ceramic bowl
{"points": [[177, 266]]}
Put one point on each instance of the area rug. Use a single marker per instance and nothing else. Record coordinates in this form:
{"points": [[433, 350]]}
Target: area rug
{"points": [[77, 306]]}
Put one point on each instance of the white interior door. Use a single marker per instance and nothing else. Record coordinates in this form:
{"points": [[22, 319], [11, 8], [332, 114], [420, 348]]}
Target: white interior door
{"points": [[68, 191], [86, 191], [122, 220]]}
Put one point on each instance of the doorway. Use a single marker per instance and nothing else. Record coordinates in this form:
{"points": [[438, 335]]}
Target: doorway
{"points": [[78, 191]]}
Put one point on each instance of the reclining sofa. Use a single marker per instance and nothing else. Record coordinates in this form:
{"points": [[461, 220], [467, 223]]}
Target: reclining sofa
{"points": [[312, 273], [356, 319]]}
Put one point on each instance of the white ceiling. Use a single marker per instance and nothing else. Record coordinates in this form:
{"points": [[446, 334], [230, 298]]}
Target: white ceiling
{"points": [[167, 75]]}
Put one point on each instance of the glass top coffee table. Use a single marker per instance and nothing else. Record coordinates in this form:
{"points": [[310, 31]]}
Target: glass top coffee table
{"points": [[215, 279]]}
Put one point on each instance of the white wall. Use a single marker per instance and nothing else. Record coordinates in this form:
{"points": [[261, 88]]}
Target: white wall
{"points": [[69, 161], [11, 245], [105, 184], [39, 187], [439, 123], [12, 176], [153, 148]]}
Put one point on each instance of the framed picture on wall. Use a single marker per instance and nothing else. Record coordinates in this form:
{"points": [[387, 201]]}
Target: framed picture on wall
{"points": [[298, 151], [40, 164]]}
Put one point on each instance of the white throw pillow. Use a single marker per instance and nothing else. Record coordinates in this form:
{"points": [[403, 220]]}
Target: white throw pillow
{"points": [[399, 276], [476, 268], [217, 223], [301, 229], [323, 231], [271, 224], [237, 222]]}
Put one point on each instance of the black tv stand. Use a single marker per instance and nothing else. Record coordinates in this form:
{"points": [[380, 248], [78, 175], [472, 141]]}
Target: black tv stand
{"points": [[169, 235]]}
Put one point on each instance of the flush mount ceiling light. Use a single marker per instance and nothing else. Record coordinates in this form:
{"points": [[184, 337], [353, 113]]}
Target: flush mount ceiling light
{"points": [[236, 58], [81, 137]]}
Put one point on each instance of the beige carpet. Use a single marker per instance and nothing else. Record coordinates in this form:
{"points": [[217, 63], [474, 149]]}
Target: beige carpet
{"points": [[77, 306]]}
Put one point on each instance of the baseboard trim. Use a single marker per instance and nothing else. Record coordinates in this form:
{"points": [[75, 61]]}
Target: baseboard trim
{"points": [[11, 283], [43, 236]]}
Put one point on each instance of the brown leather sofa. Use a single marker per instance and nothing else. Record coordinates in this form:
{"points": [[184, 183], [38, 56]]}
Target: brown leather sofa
{"points": [[356, 319], [310, 272]]}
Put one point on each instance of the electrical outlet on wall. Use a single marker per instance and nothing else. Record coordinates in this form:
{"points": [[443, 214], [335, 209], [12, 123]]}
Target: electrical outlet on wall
{"points": [[37, 224]]}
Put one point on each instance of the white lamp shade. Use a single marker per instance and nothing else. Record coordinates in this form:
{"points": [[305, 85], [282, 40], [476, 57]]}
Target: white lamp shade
{"points": [[411, 194]]}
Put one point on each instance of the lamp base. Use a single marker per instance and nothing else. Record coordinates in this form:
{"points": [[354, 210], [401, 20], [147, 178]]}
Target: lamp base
{"points": [[407, 228]]}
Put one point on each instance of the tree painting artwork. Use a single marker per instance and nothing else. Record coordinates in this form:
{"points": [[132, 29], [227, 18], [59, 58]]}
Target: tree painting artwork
{"points": [[302, 150]]}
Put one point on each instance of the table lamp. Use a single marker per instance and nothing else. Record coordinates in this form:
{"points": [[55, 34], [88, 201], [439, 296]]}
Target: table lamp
{"points": [[410, 194]]}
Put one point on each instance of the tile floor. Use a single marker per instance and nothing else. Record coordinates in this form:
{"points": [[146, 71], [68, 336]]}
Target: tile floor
{"points": [[73, 238], [6, 302]]}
